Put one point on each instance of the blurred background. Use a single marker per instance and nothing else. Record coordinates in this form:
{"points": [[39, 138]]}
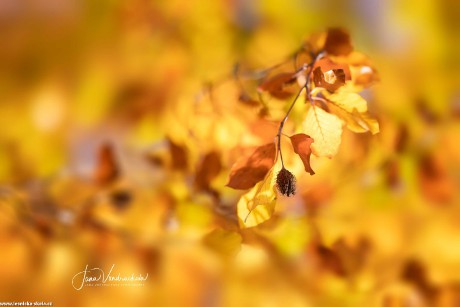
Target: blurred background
{"points": [[109, 156]]}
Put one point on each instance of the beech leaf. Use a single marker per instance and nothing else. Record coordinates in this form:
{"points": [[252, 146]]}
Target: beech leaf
{"points": [[280, 86], [352, 108], [258, 205], [247, 171], [330, 75], [349, 101], [331, 80], [338, 42], [325, 129], [302, 146]]}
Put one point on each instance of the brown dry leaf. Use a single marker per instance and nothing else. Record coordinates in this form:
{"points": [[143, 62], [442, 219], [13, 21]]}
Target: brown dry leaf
{"points": [[178, 156], [208, 169], [435, 183], [246, 172], [325, 129], [280, 86], [258, 205], [338, 42], [414, 272], [302, 146], [107, 169], [329, 259]]}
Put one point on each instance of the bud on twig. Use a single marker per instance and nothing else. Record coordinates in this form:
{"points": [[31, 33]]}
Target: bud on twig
{"points": [[285, 181]]}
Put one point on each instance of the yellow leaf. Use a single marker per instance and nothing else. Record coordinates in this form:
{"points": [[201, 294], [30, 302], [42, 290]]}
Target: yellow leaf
{"points": [[348, 101], [352, 108], [366, 122], [325, 129], [224, 242], [258, 205]]}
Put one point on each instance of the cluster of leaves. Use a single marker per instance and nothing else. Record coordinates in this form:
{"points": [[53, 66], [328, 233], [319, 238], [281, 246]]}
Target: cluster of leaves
{"points": [[329, 76]]}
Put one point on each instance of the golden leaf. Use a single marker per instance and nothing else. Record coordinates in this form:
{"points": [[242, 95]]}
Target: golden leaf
{"points": [[348, 101], [225, 242], [258, 205], [325, 129], [366, 122], [352, 108]]}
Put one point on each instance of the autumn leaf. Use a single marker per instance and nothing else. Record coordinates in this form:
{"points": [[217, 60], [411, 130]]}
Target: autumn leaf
{"points": [[349, 101], [107, 169], [258, 205], [246, 172], [280, 85], [224, 242], [331, 80], [365, 76], [365, 121], [325, 129], [352, 108], [326, 64], [330, 75], [208, 169], [435, 183], [363, 72], [178, 156], [338, 42], [302, 146]]}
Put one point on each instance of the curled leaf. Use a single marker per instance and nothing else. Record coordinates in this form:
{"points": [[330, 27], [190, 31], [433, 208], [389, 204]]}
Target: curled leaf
{"points": [[326, 64], [258, 205], [246, 172], [331, 80], [302, 146], [330, 75], [325, 129]]}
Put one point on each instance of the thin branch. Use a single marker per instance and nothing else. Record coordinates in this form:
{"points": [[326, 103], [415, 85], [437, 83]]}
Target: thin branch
{"points": [[280, 129], [309, 96]]}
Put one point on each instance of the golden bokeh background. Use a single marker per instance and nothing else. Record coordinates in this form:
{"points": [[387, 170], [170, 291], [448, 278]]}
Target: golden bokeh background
{"points": [[86, 85]]}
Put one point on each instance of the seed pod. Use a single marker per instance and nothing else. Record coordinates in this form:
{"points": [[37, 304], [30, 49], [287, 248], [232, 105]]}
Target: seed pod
{"points": [[285, 182]]}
